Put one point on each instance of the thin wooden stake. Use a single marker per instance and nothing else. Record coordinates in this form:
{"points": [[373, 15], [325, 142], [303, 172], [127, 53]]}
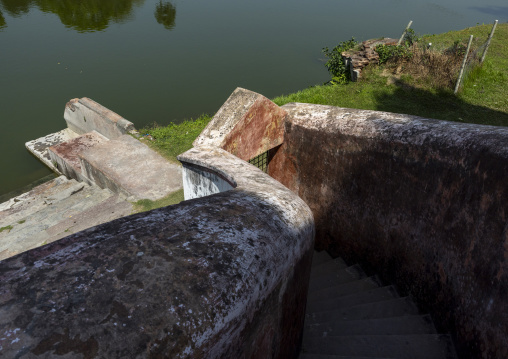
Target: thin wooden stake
{"points": [[488, 42], [463, 64], [402, 36]]}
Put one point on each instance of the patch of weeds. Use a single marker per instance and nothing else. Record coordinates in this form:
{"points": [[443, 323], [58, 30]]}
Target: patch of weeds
{"points": [[144, 205], [22, 221], [393, 53], [6, 228]]}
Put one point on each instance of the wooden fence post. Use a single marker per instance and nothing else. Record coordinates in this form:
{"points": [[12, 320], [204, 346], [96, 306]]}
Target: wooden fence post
{"points": [[461, 73]]}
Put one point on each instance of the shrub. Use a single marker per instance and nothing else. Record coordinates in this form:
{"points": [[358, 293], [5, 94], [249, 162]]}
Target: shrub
{"points": [[336, 65]]}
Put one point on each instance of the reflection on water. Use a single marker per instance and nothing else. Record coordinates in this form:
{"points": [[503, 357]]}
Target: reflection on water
{"points": [[2, 21], [499, 11], [88, 15], [165, 14]]}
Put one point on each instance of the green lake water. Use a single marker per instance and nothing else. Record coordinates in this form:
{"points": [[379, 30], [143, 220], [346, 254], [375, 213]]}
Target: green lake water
{"points": [[162, 61]]}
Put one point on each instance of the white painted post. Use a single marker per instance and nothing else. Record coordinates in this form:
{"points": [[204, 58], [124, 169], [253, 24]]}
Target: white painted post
{"points": [[402, 36], [488, 42], [463, 64]]}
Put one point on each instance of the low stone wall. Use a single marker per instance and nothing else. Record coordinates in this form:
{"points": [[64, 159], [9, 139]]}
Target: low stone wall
{"points": [[85, 115], [423, 202], [223, 276]]}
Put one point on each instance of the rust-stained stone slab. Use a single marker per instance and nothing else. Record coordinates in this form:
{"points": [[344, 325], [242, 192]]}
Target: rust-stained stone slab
{"points": [[129, 167], [247, 125], [421, 201], [66, 154], [223, 276]]}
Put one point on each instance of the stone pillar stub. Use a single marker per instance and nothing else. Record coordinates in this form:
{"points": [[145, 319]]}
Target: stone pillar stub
{"points": [[85, 115], [247, 125]]}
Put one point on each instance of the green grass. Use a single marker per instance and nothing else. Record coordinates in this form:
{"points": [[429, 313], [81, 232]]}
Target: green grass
{"points": [[147, 205], [174, 139], [6, 228], [485, 103]]}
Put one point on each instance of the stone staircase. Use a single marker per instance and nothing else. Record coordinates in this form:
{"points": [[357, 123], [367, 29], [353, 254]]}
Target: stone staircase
{"points": [[54, 210], [351, 315]]}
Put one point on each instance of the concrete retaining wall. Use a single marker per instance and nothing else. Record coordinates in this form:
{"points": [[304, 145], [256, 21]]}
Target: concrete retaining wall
{"points": [[223, 276], [85, 115], [423, 202]]}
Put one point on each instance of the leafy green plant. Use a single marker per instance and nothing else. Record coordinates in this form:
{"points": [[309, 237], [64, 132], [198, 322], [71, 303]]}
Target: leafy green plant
{"points": [[336, 64], [411, 38]]}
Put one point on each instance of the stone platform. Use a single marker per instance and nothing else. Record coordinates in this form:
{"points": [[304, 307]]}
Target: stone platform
{"points": [[98, 148], [102, 168]]}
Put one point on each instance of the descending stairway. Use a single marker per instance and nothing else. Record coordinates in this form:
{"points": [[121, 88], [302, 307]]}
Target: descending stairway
{"points": [[54, 210], [350, 315]]}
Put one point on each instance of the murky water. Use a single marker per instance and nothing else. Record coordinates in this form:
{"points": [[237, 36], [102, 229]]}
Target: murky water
{"points": [[162, 61]]}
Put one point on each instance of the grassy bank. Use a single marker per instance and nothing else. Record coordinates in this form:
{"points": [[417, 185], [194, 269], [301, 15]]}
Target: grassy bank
{"points": [[173, 139], [482, 100]]}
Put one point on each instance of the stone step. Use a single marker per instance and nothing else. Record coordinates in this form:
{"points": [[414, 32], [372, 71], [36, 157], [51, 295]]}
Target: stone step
{"points": [[342, 276], [129, 167], [31, 231], [320, 257], [345, 289], [413, 324], [111, 208], [343, 302], [324, 356], [329, 266], [21, 207], [414, 346], [384, 309]]}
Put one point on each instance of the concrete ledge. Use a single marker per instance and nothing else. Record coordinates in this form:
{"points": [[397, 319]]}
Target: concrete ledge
{"points": [[421, 201], [223, 276], [39, 147], [85, 115], [129, 167]]}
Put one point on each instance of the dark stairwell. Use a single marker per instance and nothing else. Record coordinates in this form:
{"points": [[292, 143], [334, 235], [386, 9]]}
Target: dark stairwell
{"points": [[351, 315]]}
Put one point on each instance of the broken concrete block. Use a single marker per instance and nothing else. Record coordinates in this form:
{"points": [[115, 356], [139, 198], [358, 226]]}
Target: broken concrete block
{"points": [[247, 125], [85, 115]]}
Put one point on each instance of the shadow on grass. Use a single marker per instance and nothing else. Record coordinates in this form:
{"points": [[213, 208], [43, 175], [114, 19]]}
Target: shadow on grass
{"points": [[441, 105]]}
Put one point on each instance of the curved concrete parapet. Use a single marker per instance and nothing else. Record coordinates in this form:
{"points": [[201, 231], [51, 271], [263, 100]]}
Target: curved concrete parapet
{"points": [[214, 277]]}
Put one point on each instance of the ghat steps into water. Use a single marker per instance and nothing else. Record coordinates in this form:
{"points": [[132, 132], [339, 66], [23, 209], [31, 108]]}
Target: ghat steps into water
{"points": [[54, 210], [350, 315]]}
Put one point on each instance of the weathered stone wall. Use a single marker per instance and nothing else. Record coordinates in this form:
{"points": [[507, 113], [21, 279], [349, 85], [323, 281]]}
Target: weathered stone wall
{"points": [[424, 202], [223, 276]]}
